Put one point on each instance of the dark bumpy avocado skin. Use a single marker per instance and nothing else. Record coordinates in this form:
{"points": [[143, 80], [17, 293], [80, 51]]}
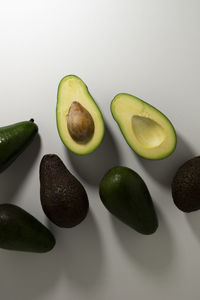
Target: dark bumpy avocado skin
{"points": [[125, 195], [22, 232], [63, 198], [186, 186], [14, 139]]}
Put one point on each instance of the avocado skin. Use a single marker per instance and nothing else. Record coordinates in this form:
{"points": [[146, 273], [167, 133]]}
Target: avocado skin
{"points": [[14, 139], [63, 197], [22, 232], [125, 194], [186, 186]]}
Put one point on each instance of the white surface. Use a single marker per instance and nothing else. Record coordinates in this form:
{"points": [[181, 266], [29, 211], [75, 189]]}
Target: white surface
{"points": [[147, 48]]}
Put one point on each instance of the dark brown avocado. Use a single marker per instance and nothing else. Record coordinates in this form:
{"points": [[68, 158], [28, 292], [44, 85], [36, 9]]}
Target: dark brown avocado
{"points": [[186, 186], [63, 197]]}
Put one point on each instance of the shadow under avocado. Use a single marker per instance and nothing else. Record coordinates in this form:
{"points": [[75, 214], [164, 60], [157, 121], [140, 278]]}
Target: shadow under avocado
{"points": [[92, 167], [80, 252], [28, 275], [11, 179], [193, 219], [78, 255], [164, 170], [153, 252]]}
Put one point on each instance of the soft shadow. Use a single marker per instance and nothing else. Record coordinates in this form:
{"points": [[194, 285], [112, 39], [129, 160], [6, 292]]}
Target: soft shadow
{"points": [[11, 179], [92, 167], [77, 255], [164, 170], [153, 252], [193, 219], [80, 252], [28, 275]]}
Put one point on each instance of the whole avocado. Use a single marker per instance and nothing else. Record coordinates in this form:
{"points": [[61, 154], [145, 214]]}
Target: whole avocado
{"points": [[20, 231], [63, 197], [14, 139], [186, 186], [126, 196]]}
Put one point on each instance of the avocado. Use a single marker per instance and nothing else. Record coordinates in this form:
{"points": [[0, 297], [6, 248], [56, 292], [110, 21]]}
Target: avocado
{"points": [[14, 139], [63, 197], [20, 231], [186, 186], [146, 130], [79, 121], [126, 196]]}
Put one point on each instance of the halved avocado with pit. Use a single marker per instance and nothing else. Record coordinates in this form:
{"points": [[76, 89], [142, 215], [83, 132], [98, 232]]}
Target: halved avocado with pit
{"points": [[79, 121], [146, 130]]}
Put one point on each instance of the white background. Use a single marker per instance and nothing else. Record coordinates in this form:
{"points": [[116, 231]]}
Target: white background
{"points": [[149, 48]]}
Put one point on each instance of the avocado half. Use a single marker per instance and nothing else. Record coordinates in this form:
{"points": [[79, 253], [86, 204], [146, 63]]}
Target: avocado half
{"points": [[146, 130], [79, 121]]}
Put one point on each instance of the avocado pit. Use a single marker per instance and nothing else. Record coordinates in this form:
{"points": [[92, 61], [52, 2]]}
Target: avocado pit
{"points": [[80, 123]]}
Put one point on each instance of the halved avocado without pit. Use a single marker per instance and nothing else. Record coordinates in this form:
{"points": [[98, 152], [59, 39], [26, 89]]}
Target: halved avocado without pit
{"points": [[79, 121], [146, 130]]}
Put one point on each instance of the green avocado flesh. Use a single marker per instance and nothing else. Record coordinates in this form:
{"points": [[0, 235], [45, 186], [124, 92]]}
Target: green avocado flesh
{"points": [[20, 231], [79, 121], [126, 196], [146, 130], [14, 139], [63, 197], [186, 186]]}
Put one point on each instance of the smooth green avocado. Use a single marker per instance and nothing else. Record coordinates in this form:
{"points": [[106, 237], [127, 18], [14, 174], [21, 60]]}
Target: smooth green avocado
{"points": [[79, 121], [20, 231], [146, 130], [126, 196], [186, 186], [14, 139], [63, 197]]}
